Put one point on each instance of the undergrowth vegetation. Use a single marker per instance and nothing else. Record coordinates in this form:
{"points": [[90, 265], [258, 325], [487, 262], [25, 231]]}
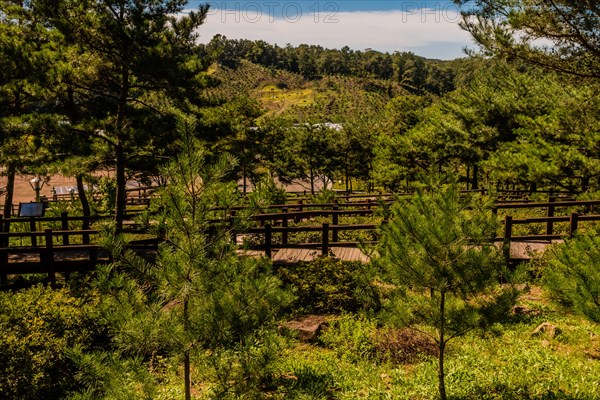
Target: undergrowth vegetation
{"points": [[541, 350]]}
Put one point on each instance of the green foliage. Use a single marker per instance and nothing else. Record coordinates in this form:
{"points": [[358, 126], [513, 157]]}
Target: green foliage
{"points": [[357, 338], [325, 196], [437, 249], [329, 285], [107, 189], [265, 193], [39, 325], [558, 35], [243, 370], [196, 295], [573, 275], [352, 337]]}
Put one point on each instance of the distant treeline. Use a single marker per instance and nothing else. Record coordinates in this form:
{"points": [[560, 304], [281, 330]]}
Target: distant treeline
{"points": [[416, 74]]}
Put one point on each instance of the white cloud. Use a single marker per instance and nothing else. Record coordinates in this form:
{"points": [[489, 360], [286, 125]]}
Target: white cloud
{"points": [[430, 33]]}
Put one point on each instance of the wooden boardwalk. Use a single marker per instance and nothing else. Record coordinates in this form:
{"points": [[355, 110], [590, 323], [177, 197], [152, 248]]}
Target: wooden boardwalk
{"points": [[519, 251], [522, 251], [292, 256]]}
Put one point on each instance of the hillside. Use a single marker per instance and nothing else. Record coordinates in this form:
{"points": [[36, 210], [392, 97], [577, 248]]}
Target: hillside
{"points": [[280, 92]]}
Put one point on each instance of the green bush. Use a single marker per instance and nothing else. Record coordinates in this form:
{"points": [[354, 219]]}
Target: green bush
{"points": [[38, 325], [329, 285], [573, 275]]}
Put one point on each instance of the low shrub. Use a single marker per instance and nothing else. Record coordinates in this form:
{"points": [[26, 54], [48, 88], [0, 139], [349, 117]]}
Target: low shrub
{"points": [[329, 285], [403, 346], [357, 338], [38, 325]]}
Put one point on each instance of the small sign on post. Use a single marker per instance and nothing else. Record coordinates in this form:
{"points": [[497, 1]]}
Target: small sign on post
{"points": [[34, 209]]}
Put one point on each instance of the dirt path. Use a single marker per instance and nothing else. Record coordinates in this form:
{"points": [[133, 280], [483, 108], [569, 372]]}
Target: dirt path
{"points": [[24, 192]]}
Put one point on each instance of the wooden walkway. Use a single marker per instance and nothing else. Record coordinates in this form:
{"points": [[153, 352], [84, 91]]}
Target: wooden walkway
{"points": [[519, 251], [522, 251], [292, 256]]}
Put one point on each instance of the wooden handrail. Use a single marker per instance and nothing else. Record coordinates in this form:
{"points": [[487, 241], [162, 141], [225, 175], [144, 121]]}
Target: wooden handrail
{"points": [[574, 203]]}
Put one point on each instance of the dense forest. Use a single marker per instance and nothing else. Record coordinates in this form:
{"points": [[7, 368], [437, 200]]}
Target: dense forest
{"points": [[88, 86]]}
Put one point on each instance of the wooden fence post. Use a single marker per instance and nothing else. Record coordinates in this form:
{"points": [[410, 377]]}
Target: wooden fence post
{"points": [[48, 258], [32, 230], [268, 240], [573, 223], [93, 253], [507, 237], [325, 240], [284, 224], [550, 224], [64, 220], [2, 241], [335, 221], [86, 237], [3, 255]]}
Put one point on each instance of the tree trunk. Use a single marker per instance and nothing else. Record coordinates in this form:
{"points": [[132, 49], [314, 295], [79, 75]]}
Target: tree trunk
{"points": [[475, 185], [312, 182], [442, 346], [468, 176], [533, 187], [346, 177], [120, 151], [585, 183], [10, 189], [186, 353], [244, 177], [121, 199], [85, 205]]}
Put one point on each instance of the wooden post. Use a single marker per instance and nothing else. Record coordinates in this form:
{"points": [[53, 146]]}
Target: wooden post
{"points": [[3, 254], [507, 237], [65, 227], [94, 255], [3, 280], [32, 230], [284, 224], [85, 237], [268, 240], [2, 240], [550, 224], [335, 221], [48, 259], [573, 223], [232, 227], [325, 240], [368, 204]]}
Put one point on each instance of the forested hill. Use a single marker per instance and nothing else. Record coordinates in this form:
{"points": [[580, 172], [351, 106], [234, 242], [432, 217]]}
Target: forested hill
{"points": [[282, 92], [407, 70], [489, 121]]}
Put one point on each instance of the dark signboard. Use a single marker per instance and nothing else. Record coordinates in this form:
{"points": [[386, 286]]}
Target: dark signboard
{"points": [[31, 209]]}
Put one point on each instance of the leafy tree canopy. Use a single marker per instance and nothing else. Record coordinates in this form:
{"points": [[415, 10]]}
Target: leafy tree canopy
{"points": [[560, 35]]}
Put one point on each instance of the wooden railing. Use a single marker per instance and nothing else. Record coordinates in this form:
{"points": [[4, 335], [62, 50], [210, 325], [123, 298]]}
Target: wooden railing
{"points": [[46, 261], [271, 231]]}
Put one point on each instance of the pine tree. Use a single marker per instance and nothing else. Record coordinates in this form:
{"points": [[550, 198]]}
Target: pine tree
{"points": [[198, 295], [573, 275], [129, 56], [437, 249], [560, 35]]}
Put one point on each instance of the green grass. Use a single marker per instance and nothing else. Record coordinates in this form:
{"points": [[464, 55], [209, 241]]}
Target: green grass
{"points": [[509, 364], [273, 97]]}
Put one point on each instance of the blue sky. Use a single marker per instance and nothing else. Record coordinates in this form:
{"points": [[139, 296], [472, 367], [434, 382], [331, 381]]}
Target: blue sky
{"points": [[427, 28]]}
